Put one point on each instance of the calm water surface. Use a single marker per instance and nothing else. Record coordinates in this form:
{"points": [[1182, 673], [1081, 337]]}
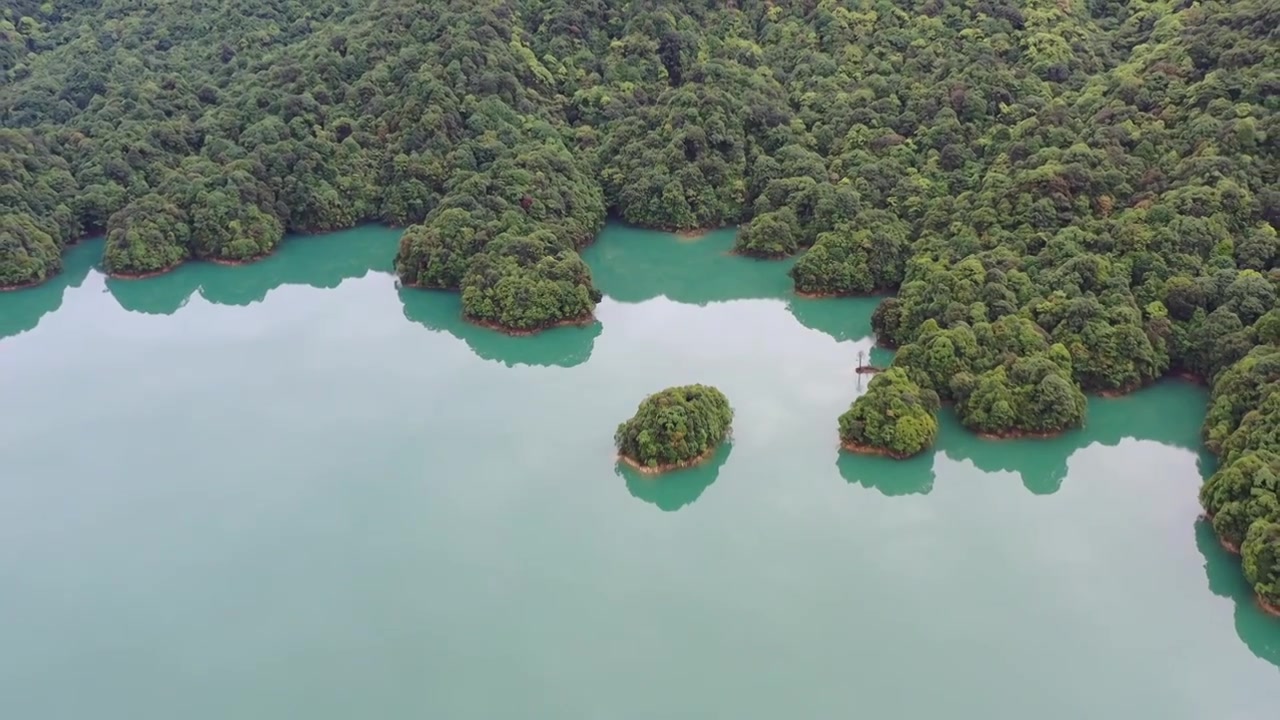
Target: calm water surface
{"points": [[291, 490]]}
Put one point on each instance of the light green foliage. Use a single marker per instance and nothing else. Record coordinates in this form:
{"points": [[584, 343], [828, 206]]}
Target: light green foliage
{"points": [[895, 416], [675, 426]]}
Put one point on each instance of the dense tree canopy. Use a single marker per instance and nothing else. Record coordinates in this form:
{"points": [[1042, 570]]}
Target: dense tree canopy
{"points": [[1243, 427], [1261, 557], [1065, 196], [675, 427], [895, 417], [528, 283], [858, 257]]}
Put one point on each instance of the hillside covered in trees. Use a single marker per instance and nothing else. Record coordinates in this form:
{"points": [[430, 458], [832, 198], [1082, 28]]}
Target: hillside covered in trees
{"points": [[1064, 196]]}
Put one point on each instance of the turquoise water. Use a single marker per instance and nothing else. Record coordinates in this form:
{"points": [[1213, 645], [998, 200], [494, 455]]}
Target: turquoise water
{"points": [[292, 489]]}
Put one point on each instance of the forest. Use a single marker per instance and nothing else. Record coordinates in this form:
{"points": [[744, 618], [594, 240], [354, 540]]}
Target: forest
{"points": [[675, 428], [1058, 197]]}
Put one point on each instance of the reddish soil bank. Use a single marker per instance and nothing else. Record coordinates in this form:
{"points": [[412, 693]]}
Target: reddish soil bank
{"points": [[520, 332], [1267, 607], [142, 275], [1015, 434], [235, 263], [832, 294], [24, 286], [655, 470], [692, 235], [861, 449]]}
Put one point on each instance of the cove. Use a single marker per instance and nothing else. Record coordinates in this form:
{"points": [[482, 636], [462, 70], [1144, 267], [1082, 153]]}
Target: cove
{"points": [[291, 489]]}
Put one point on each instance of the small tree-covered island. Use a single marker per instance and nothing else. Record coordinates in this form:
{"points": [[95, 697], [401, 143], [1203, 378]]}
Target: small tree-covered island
{"points": [[676, 428], [895, 417], [1057, 197]]}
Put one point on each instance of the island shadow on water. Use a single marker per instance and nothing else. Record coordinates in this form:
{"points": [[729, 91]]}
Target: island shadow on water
{"points": [[890, 477], [1171, 416], [441, 311], [318, 261], [634, 265], [22, 310], [674, 490], [1255, 627], [628, 264]]}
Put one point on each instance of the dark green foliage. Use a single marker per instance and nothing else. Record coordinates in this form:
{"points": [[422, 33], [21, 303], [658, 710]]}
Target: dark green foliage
{"points": [[436, 254], [675, 427], [1259, 428], [229, 231], [1260, 554], [1242, 492], [528, 283], [1242, 426], [28, 254], [770, 235], [1085, 164], [1241, 388], [895, 416], [149, 235], [1004, 376], [1067, 196], [1033, 396], [855, 258]]}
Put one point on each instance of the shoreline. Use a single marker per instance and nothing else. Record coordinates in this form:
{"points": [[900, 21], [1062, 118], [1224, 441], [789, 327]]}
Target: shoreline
{"points": [[770, 257], [1113, 393], [143, 275], [522, 332], [1020, 434], [27, 285], [1268, 608], [828, 294], [669, 467], [690, 235], [1188, 376], [215, 261], [862, 449], [236, 263]]}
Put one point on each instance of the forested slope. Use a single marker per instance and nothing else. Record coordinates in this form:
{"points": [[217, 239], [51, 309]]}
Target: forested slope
{"points": [[1065, 195]]}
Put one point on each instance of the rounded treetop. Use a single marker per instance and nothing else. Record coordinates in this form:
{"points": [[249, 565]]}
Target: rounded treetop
{"points": [[675, 428]]}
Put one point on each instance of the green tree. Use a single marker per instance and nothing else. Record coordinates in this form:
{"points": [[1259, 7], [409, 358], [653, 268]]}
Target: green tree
{"points": [[894, 417], [675, 427], [148, 235]]}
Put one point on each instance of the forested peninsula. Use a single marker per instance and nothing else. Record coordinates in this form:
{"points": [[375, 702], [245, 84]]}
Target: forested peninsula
{"points": [[1062, 196]]}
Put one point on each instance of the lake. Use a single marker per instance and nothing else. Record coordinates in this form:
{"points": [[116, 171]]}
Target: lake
{"points": [[292, 489]]}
